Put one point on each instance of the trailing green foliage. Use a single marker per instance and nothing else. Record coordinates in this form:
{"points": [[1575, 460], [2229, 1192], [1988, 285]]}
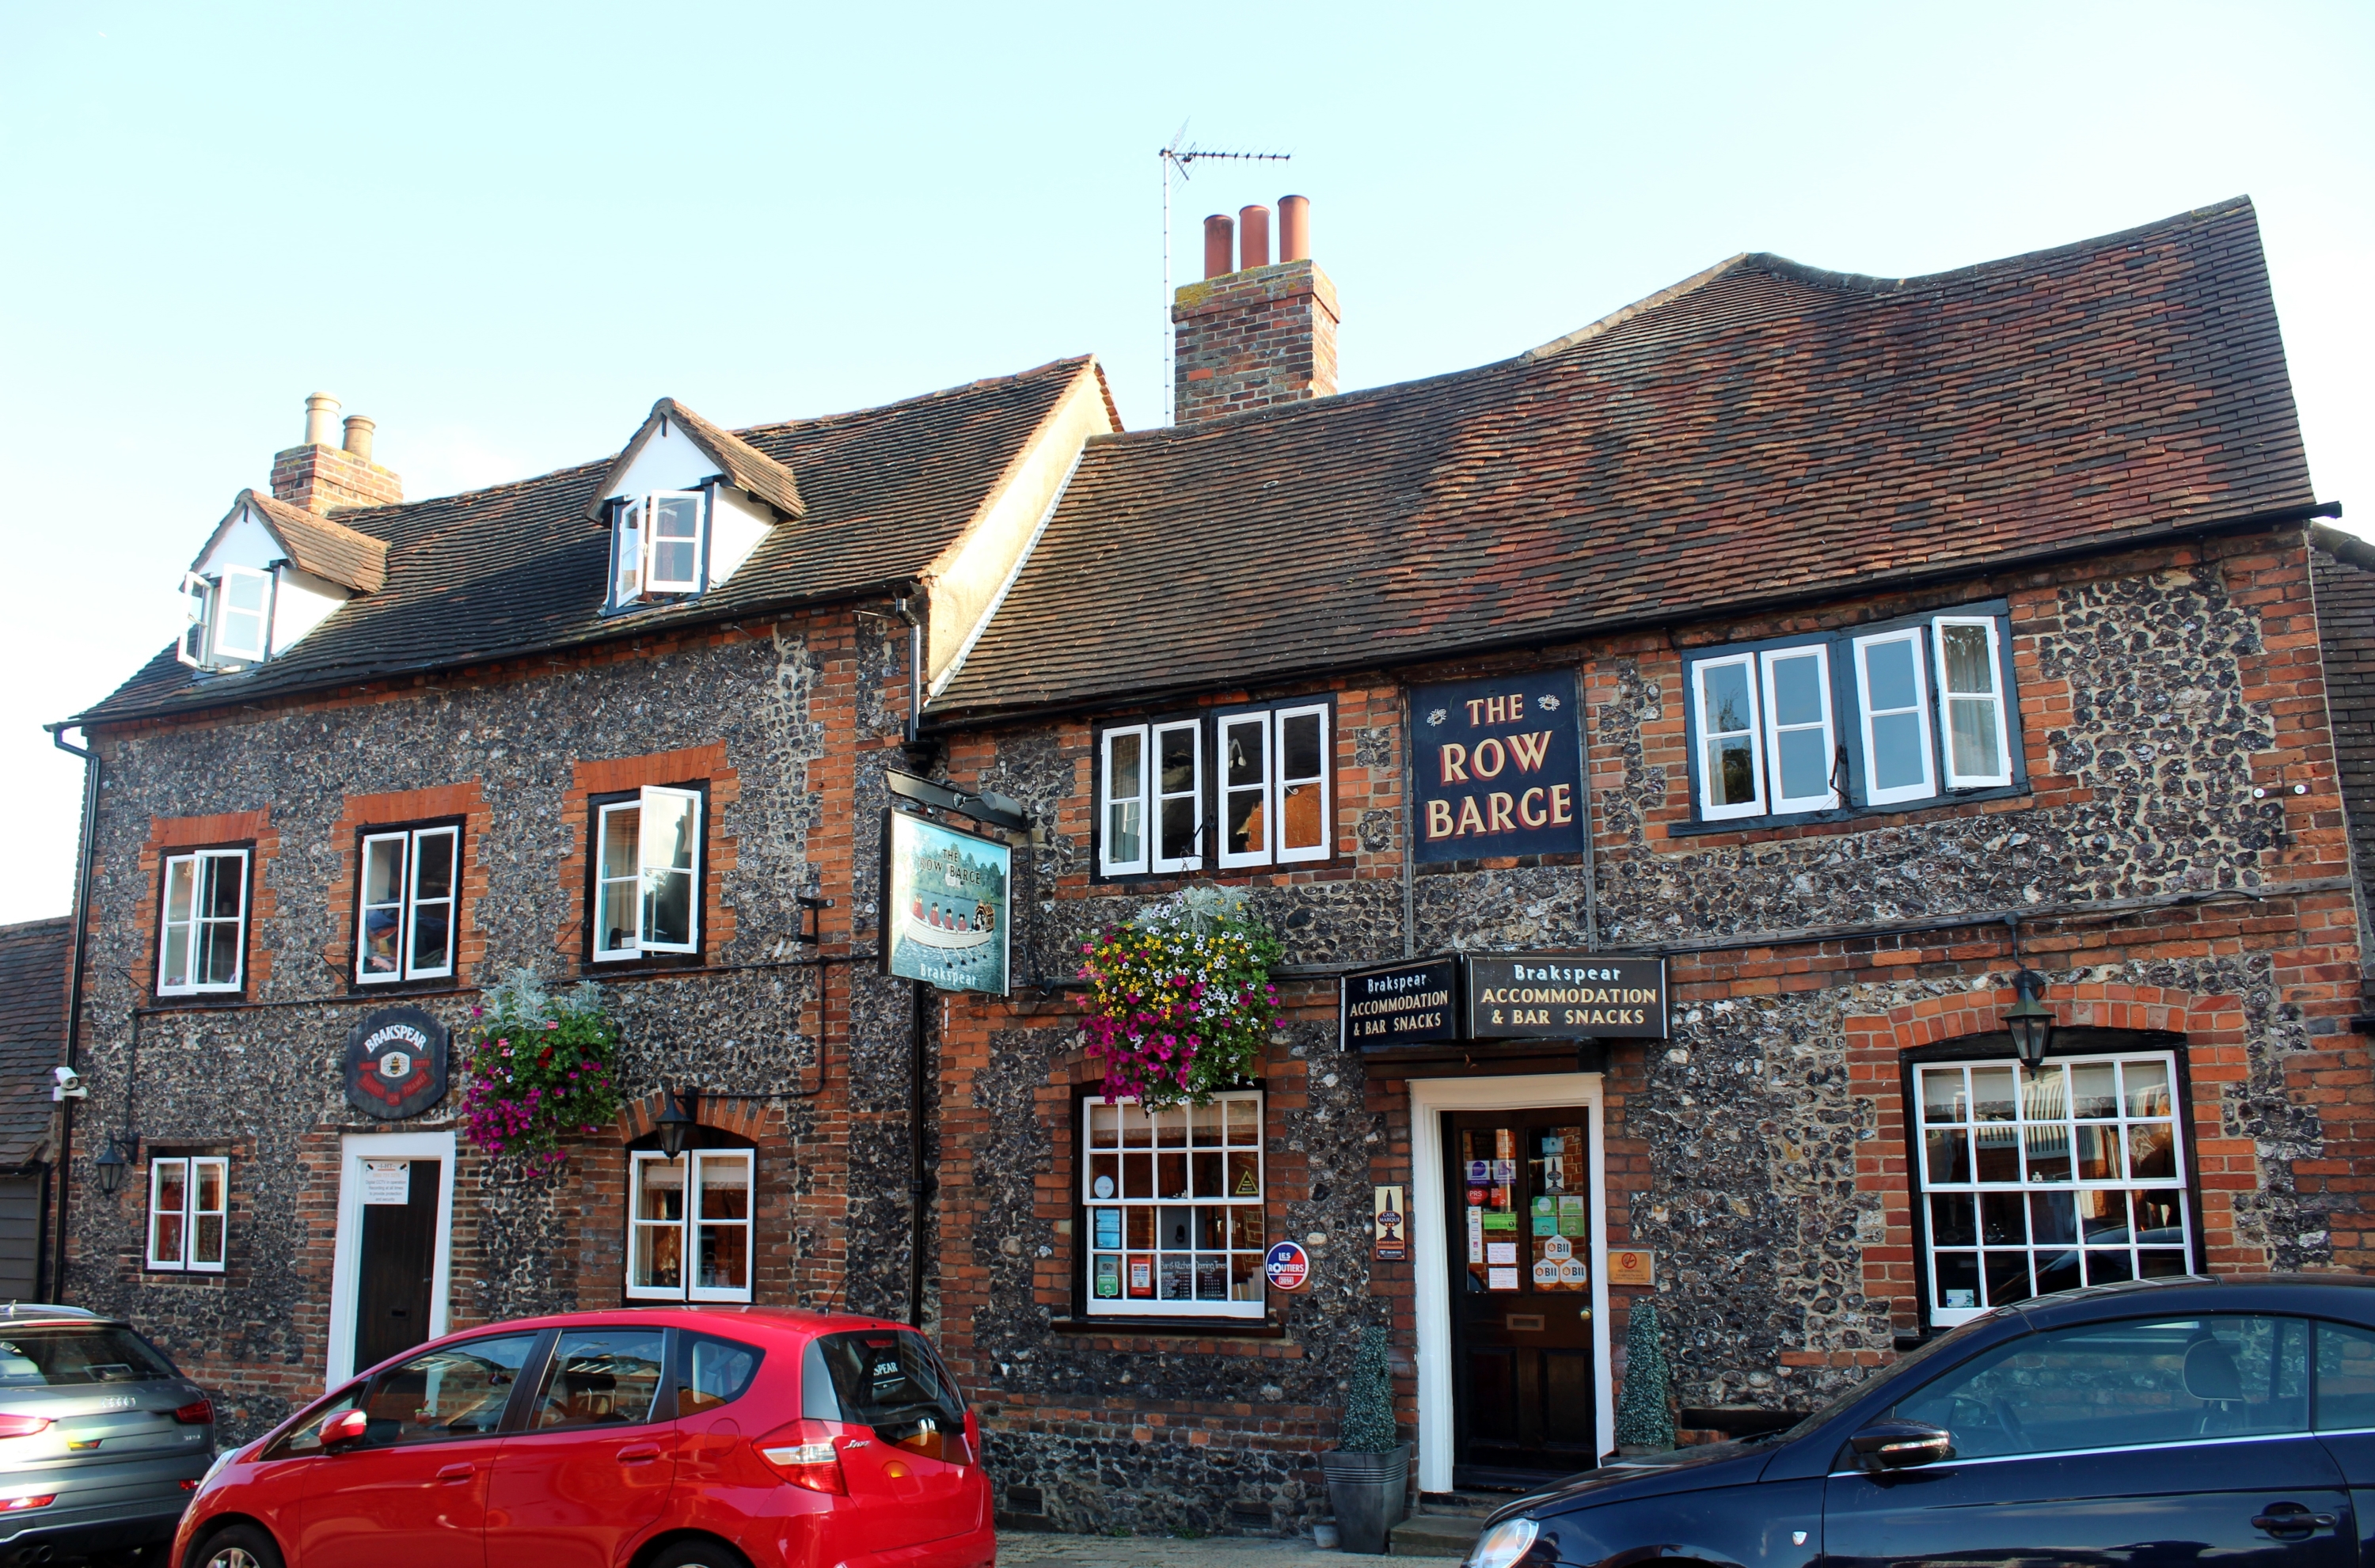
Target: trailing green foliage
{"points": [[539, 1067]]}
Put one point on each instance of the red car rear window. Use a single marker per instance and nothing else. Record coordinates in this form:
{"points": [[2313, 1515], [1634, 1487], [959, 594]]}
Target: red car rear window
{"points": [[888, 1380]]}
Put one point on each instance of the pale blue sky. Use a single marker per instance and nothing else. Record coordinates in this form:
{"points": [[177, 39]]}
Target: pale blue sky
{"points": [[503, 230]]}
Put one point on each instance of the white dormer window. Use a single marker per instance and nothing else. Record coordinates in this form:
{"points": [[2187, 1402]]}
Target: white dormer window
{"points": [[230, 619], [660, 548]]}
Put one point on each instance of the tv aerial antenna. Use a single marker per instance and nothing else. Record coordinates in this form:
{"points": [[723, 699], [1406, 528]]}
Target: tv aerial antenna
{"points": [[1176, 155]]}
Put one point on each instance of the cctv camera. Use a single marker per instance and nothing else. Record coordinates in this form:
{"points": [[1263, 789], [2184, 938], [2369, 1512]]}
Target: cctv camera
{"points": [[69, 1085]]}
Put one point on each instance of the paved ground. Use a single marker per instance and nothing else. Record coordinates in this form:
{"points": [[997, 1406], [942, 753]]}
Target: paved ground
{"points": [[1016, 1548]]}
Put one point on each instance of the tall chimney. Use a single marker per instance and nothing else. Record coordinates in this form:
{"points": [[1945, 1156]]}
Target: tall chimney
{"points": [[323, 476], [1260, 334]]}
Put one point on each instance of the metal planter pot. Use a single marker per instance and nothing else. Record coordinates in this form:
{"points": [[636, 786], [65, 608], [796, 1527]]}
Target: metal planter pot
{"points": [[1370, 1493]]}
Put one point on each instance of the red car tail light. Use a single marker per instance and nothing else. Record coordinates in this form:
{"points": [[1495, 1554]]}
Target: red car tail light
{"points": [[18, 1505], [803, 1454], [23, 1426], [198, 1412]]}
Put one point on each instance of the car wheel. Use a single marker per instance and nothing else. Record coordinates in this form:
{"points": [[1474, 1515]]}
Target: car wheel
{"points": [[240, 1545], [700, 1554]]}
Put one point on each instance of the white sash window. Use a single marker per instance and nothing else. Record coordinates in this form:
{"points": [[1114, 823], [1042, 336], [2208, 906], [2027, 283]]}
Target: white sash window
{"points": [[647, 875]]}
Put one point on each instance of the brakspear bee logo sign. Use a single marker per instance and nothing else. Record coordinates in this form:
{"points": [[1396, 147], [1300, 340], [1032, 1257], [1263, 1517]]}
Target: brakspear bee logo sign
{"points": [[1498, 768], [395, 1062], [945, 918]]}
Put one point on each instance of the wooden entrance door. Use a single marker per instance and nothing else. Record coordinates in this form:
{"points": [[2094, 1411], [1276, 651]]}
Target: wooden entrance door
{"points": [[1525, 1399], [398, 1264]]}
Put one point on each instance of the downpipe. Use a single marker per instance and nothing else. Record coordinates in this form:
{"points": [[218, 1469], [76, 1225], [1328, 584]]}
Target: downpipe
{"points": [[92, 772]]}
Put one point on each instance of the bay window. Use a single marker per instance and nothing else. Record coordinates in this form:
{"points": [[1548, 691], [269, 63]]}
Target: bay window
{"points": [[688, 1225], [189, 1208], [202, 922], [403, 923], [1879, 716], [646, 883], [1172, 1206]]}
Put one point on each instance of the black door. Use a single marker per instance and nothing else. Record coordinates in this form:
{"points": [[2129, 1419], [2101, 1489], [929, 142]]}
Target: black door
{"points": [[2147, 1443], [1525, 1402], [400, 1262]]}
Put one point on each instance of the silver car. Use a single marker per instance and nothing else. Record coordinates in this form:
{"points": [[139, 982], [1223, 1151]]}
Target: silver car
{"points": [[102, 1439]]}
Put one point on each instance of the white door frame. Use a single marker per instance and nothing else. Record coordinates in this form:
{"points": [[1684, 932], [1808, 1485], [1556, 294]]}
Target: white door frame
{"points": [[1430, 1098], [346, 1282]]}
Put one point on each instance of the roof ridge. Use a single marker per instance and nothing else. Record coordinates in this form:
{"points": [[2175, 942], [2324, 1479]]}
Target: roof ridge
{"points": [[15, 926], [1071, 361]]}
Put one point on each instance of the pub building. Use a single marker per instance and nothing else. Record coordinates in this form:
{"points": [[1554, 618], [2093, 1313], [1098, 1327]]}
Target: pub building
{"points": [[1811, 798]]}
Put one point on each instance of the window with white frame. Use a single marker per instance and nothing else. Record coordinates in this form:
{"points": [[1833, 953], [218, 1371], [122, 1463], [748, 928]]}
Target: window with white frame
{"points": [[203, 922], [404, 926], [688, 1226], [1265, 801], [2047, 1178], [646, 895], [189, 1208], [1173, 1208], [658, 546], [230, 619], [1877, 717]]}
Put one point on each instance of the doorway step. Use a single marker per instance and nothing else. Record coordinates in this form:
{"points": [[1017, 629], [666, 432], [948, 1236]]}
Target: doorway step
{"points": [[1446, 1524]]}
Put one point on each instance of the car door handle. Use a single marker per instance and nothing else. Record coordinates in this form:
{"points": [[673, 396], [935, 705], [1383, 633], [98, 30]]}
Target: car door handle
{"points": [[2289, 1518], [641, 1454], [457, 1472]]}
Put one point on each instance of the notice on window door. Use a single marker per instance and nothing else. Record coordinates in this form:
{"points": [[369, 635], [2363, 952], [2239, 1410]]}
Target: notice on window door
{"points": [[387, 1182]]}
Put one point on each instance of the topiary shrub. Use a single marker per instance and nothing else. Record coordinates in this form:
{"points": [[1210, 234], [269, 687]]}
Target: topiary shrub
{"points": [[1369, 1407], [1645, 1412]]}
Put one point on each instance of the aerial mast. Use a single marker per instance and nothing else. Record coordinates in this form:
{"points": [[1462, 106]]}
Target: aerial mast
{"points": [[1176, 155]]}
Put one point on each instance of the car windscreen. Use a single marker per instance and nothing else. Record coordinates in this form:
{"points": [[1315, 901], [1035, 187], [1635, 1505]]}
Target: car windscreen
{"points": [[1894, 1373], [64, 1355], [890, 1381]]}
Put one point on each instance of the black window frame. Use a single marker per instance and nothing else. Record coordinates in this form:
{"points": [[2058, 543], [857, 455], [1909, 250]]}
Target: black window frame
{"points": [[401, 984], [1210, 792], [1847, 713], [590, 892]]}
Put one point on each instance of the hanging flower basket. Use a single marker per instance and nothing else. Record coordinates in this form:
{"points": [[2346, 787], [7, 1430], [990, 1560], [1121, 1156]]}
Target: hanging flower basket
{"points": [[1180, 1003], [541, 1069]]}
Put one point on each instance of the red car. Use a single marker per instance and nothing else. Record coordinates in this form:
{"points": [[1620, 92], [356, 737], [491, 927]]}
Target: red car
{"points": [[718, 1437]]}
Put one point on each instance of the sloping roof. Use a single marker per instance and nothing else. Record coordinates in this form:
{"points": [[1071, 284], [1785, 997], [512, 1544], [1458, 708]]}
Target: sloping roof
{"points": [[33, 962], [746, 465], [1763, 430], [2344, 567], [321, 546], [514, 569]]}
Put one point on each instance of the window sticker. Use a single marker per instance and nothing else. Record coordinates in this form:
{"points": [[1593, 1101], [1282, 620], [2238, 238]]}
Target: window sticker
{"points": [[1108, 1283], [1480, 1171], [1558, 1249], [1142, 1274], [1571, 1214], [1546, 1272], [1572, 1272], [1475, 1234]]}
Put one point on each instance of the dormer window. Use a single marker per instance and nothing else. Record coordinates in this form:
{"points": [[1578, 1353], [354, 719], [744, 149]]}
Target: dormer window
{"points": [[230, 619], [660, 548]]}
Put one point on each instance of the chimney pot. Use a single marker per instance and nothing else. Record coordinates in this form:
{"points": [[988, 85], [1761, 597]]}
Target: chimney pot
{"points": [[1219, 245], [359, 437], [1294, 228], [1253, 236], [321, 420]]}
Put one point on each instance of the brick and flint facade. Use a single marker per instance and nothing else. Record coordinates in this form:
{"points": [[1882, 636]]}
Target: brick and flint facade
{"points": [[2091, 452]]}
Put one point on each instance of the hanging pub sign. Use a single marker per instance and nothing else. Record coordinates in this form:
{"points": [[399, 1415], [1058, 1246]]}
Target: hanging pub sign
{"points": [[1499, 765], [1404, 1004], [1567, 997], [946, 910], [395, 1062]]}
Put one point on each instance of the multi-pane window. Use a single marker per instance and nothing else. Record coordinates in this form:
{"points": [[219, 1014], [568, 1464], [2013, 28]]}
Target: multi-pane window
{"points": [[189, 1207], [1873, 717], [688, 1226], [203, 918], [1263, 801], [405, 924], [647, 874], [1173, 1200], [230, 618], [656, 547], [2047, 1178]]}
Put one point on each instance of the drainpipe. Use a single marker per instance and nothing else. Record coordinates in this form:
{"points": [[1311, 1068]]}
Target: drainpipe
{"points": [[905, 607], [919, 1186], [91, 771]]}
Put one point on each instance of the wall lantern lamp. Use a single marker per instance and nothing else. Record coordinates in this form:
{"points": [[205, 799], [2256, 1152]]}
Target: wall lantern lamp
{"points": [[112, 1163], [677, 1119], [2029, 1019]]}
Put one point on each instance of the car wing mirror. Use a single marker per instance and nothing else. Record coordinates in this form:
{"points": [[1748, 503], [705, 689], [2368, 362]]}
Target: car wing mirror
{"points": [[344, 1431], [1896, 1445]]}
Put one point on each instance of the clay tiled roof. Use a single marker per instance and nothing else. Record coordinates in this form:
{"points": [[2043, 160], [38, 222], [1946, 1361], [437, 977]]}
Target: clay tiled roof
{"points": [[2345, 565], [327, 550], [748, 467], [1760, 432], [497, 574], [33, 962]]}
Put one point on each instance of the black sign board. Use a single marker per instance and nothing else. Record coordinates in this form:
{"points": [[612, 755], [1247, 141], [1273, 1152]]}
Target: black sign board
{"points": [[1403, 1004], [1567, 997], [1498, 767], [395, 1062]]}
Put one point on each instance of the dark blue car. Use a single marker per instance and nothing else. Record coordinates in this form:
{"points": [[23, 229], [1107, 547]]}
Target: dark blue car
{"points": [[2155, 1424]]}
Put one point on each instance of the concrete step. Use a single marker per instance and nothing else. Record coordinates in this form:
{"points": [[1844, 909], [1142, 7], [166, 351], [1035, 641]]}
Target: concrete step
{"points": [[1478, 1504], [1435, 1535]]}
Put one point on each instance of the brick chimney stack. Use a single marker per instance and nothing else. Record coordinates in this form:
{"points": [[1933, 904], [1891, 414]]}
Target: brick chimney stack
{"points": [[1259, 333], [325, 479]]}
